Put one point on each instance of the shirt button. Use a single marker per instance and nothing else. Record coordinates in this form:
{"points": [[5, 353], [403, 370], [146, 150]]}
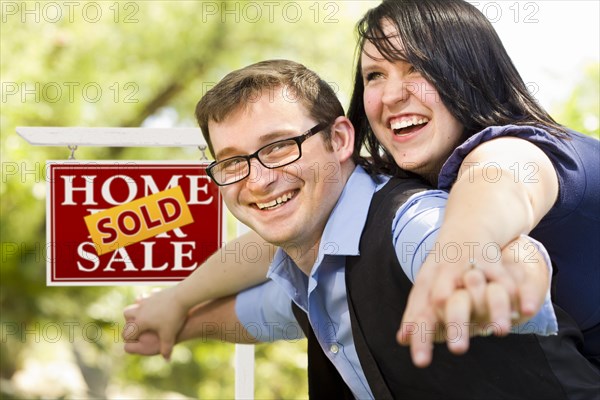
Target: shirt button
{"points": [[334, 348]]}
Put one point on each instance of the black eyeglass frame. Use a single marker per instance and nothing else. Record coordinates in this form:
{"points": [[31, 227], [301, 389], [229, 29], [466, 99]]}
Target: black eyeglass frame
{"points": [[298, 139]]}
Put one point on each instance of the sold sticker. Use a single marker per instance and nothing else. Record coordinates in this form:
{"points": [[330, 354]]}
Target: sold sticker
{"points": [[129, 223]]}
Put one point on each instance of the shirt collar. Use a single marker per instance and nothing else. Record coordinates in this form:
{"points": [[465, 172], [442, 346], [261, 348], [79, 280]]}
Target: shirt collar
{"points": [[345, 225], [342, 233]]}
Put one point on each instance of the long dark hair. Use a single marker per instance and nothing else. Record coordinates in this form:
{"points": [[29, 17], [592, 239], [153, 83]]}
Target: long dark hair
{"points": [[457, 50]]}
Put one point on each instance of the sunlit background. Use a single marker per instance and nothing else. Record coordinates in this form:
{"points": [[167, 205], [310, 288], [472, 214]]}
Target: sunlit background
{"points": [[152, 61]]}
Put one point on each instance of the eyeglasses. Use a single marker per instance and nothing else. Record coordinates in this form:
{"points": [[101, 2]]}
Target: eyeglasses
{"points": [[274, 155]]}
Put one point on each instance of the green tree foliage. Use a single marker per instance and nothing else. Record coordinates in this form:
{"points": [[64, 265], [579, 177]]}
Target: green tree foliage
{"points": [[129, 63], [581, 111]]}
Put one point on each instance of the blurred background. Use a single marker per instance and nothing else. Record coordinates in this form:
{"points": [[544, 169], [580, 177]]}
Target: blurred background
{"points": [[146, 63]]}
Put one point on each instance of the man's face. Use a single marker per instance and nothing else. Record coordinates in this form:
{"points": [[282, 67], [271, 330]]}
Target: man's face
{"points": [[287, 206]]}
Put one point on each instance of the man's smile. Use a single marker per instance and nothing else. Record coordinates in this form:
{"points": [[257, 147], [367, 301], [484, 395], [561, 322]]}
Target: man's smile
{"points": [[276, 202]]}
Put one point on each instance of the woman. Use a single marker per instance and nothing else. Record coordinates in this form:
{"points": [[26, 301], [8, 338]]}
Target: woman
{"points": [[437, 94], [432, 75]]}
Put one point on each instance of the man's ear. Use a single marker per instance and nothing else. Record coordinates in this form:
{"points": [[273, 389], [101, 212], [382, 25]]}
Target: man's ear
{"points": [[342, 138]]}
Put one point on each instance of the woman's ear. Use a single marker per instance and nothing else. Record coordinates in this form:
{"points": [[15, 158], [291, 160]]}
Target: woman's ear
{"points": [[342, 138]]}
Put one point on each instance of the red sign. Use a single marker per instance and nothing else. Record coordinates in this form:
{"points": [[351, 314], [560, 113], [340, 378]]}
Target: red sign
{"points": [[79, 190]]}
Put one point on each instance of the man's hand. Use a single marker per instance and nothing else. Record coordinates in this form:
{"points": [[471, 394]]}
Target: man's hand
{"points": [[146, 344], [159, 313]]}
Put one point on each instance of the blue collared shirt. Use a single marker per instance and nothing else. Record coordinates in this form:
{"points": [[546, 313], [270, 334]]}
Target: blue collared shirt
{"points": [[266, 312]]}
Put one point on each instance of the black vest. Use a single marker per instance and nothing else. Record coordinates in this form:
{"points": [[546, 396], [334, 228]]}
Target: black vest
{"points": [[513, 367]]}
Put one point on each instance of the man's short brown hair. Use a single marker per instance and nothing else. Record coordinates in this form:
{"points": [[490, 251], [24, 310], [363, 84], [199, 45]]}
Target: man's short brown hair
{"points": [[244, 86]]}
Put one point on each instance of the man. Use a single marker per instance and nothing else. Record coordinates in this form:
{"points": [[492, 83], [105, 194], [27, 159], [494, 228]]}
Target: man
{"points": [[285, 165]]}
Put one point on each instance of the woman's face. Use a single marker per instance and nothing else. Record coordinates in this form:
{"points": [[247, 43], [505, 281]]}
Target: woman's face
{"points": [[406, 113]]}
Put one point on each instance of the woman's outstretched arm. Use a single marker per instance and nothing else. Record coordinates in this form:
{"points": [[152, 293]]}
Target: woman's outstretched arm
{"points": [[503, 190]]}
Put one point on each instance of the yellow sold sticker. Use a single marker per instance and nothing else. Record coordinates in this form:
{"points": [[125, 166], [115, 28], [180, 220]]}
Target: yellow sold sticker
{"points": [[137, 220]]}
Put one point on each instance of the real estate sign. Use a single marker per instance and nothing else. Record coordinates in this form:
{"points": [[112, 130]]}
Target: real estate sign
{"points": [[127, 222]]}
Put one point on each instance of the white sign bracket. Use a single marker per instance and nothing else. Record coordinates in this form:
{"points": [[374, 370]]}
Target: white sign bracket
{"points": [[72, 148], [111, 137]]}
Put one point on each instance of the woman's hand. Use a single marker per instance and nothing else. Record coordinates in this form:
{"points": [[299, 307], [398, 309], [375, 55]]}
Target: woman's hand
{"points": [[489, 298]]}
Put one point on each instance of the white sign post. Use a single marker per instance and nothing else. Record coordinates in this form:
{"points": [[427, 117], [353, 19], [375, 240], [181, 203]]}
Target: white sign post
{"points": [[72, 137]]}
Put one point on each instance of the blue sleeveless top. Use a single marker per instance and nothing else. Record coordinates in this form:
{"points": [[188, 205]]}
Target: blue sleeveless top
{"points": [[571, 229]]}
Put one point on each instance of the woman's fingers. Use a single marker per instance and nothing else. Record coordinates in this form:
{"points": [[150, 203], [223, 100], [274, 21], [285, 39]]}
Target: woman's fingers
{"points": [[418, 302], [475, 283], [531, 275], [448, 279], [457, 321], [500, 309], [420, 338]]}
